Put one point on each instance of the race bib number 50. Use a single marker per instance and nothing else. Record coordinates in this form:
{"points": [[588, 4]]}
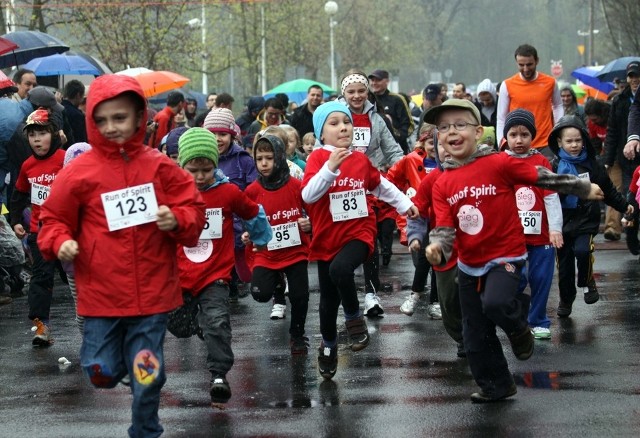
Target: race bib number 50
{"points": [[130, 207]]}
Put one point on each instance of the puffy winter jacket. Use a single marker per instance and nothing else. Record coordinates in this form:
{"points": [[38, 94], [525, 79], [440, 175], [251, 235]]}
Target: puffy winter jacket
{"points": [[131, 271]]}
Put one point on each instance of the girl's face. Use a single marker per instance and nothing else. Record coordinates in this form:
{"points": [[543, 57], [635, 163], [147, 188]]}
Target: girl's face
{"points": [[519, 139], [264, 162], [356, 94], [429, 147], [224, 141], [337, 130], [292, 144], [40, 141], [308, 146], [571, 141]]}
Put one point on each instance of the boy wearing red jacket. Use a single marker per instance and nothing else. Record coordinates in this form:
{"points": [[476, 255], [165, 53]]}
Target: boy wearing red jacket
{"points": [[32, 188], [473, 202], [288, 249], [205, 268], [117, 212]]}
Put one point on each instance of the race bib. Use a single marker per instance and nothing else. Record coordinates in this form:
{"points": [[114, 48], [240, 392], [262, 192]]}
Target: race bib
{"points": [[351, 204], [199, 253], [531, 221], [361, 138], [284, 236], [584, 176], [130, 207], [39, 193], [213, 226]]}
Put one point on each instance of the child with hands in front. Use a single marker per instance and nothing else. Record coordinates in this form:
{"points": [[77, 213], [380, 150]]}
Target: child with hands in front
{"points": [[334, 189], [474, 205], [118, 212]]}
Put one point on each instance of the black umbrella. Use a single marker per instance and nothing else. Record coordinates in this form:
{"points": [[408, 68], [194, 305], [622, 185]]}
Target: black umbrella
{"points": [[616, 69], [31, 44]]}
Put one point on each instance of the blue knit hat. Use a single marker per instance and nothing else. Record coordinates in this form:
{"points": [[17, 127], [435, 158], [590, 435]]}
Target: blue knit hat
{"points": [[172, 139], [322, 112], [520, 117]]}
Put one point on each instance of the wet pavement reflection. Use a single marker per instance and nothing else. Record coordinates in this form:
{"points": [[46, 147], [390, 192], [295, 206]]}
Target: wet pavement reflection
{"points": [[407, 382]]}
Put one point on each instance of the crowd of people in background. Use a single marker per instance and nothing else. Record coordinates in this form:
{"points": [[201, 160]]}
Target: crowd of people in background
{"points": [[332, 180]]}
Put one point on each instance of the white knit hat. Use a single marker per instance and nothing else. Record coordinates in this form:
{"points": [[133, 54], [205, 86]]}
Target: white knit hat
{"points": [[221, 120]]}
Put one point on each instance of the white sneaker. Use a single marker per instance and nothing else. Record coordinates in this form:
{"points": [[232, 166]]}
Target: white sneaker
{"points": [[278, 311], [541, 333], [434, 312], [372, 306], [409, 306]]}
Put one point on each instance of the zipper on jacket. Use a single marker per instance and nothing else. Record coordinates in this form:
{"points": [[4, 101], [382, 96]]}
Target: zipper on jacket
{"points": [[124, 155]]}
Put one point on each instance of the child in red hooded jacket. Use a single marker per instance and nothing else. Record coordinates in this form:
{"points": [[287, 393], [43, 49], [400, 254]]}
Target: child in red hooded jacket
{"points": [[118, 213]]}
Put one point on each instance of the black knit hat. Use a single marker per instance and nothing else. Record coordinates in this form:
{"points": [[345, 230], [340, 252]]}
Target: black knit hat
{"points": [[520, 117]]}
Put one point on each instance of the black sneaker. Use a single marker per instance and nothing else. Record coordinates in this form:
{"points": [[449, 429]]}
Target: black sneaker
{"points": [[220, 391], [461, 352], [386, 259], [522, 344], [482, 397], [327, 361], [592, 295], [358, 333], [299, 345], [564, 309], [633, 244]]}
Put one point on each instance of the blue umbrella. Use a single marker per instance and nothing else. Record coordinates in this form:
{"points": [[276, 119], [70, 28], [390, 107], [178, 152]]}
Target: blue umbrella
{"points": [[31, 44], [616, 68], [588, 76], [56, 65]]}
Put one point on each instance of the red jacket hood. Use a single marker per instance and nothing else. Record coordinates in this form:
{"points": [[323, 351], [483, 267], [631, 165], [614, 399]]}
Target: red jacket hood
{"points": [[104, 88]]}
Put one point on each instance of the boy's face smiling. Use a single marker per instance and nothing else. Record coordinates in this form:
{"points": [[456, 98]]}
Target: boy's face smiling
{"points": [[519, 139], [40, 141], [202, 171], [458, 144], [116, 119]]}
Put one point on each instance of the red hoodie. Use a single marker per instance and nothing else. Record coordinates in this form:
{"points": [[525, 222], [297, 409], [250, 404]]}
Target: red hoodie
{"points": [[131, 271]]}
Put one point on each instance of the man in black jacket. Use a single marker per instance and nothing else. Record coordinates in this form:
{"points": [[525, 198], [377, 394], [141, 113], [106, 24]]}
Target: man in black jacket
{"points": [[394, 106], [73, 96], [302, 118]]}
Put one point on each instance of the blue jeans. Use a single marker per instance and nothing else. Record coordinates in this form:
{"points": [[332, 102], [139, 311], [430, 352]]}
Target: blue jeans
{"points": [[539, 275], [115, 347]]}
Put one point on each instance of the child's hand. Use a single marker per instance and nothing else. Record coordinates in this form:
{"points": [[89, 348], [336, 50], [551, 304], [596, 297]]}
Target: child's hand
{"points": [[19, 230], [556, 239], [434, 253], [630, 210], [412, 213], [414, 245], [165, 219], [337, 157], [245, 238], [596, 193], [68, 250], [305, 224]]}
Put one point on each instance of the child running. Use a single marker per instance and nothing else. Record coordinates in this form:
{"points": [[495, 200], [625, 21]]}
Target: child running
{"points": [[32, 188], [286, 253], [334, 188], [118, 212], [541, 218], [474, 205], [205, 269], [570, 141]]}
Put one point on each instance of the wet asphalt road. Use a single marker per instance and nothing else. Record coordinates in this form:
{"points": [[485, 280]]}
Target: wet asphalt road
{"points": [[583, 382]]}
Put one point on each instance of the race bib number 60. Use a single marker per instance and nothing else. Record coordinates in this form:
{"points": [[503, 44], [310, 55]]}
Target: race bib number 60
{"points": [[130, 207], [39, 193]]}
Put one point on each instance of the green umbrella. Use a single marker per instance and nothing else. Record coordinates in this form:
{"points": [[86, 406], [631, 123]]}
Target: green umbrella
{"points": [[580, 92], [297, 89]]}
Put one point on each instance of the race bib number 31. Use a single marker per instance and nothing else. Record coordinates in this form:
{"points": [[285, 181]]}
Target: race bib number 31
{"points": [[348, 205], [39, 193], [130, 207]]}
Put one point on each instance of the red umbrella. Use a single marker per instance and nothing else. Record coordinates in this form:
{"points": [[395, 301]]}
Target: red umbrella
{"points": [[7, 45], [5, 82]]}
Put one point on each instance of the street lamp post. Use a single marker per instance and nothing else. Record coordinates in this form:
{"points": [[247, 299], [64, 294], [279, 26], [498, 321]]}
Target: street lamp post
{"points": [[331, 8], [201, 23]]}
